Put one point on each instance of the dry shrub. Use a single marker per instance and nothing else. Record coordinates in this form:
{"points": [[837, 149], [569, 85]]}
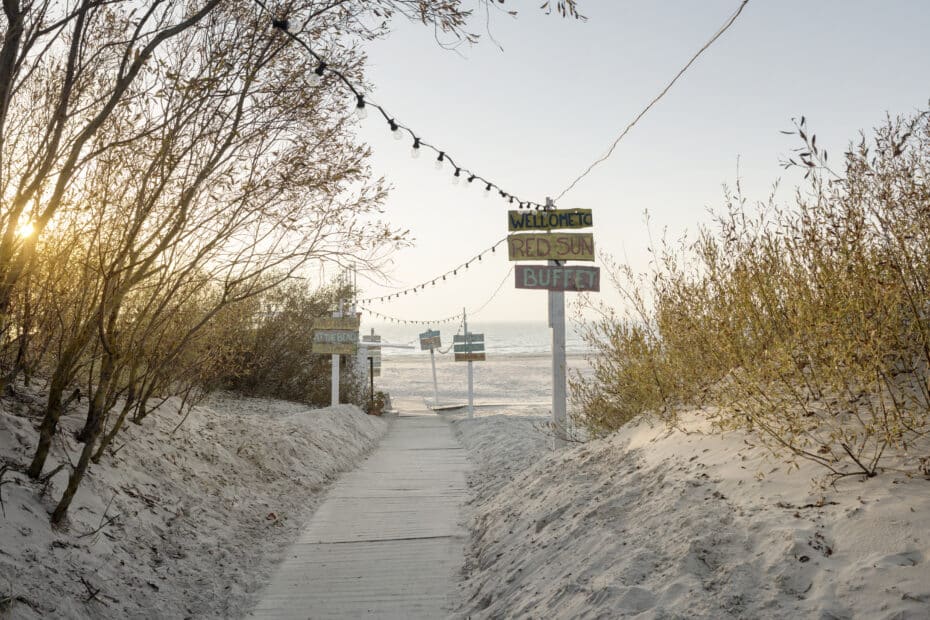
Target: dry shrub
{"points": [[272, 348], [807, 325]]}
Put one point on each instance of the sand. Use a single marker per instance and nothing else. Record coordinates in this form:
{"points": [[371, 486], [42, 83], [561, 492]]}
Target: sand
{"points": [[646, 523], [658, 524], [173, 526]]}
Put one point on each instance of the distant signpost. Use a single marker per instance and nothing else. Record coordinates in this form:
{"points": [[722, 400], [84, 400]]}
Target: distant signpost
{"points": [[429, 340], [373, 344], [469, 348], [335, 335]]}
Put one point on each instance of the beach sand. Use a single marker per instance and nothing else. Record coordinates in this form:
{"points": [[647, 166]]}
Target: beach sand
{"points": [[648, 522]]}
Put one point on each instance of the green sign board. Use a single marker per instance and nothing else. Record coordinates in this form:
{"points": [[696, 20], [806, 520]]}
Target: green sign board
{"points": [[551, 219], [469, 348]]}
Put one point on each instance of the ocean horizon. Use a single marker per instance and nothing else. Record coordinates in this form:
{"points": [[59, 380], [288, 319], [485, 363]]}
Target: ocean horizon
{"points": [[502, 338]]}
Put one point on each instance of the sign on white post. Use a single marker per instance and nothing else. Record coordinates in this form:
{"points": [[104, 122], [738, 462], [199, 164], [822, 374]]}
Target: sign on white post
{"points": [[430, 340], [557, 323]]}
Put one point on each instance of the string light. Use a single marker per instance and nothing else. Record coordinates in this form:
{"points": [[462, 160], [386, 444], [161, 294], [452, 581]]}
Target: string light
{"points": [[422, 285], [415, 149], [395, 319], [442, 156], [360, 111], [450, 319], [457, 176], [315, 78]]}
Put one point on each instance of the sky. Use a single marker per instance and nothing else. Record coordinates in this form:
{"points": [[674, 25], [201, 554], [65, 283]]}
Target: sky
{"points": [[532, 111]]}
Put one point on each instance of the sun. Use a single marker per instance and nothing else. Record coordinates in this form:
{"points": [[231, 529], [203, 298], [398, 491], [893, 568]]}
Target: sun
{"points": [[25, 230]]}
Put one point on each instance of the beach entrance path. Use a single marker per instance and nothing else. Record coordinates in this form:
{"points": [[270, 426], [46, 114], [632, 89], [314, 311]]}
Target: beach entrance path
{"points": [[388, 540]]}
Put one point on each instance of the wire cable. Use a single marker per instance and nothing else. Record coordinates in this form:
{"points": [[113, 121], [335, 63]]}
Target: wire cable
{"points": [[493, 295], [655, 100]]}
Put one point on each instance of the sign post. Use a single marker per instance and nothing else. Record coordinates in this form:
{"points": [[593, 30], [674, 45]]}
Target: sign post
{"points": [[469, 348], [557, 323], [334, 384], [336, 336], [372, 347], [471, 378], [538, 239], [430, 340]]}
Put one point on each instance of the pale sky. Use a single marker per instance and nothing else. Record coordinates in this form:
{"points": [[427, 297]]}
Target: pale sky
{"points": [[533, 116]]}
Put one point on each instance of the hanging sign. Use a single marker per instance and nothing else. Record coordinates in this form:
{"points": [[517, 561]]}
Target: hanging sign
{"points": [[335, 342], [349, 323], [429, 340], [564, 278], [551, 246], [335, 336], [468, 348], [373, 344], [549, 220]]}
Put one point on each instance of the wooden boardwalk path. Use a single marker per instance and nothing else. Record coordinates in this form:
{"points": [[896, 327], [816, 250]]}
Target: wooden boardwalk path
{"points": [[388, 540]]}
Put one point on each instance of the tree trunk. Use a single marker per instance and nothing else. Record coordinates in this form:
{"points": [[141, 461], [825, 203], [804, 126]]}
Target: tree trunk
{"points": [[95, 416], [50, 421], [118, 425]]}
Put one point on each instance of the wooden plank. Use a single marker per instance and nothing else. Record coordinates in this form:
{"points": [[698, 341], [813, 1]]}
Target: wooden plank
{"points": [[550, 278], [470, 357], [350, 323], [334, 348], [458, 338], [551, 246], [335, 336], [549, 220], [473, 347]]}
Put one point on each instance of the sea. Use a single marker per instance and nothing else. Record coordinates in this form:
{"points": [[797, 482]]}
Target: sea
{"points": [[515, 377]]}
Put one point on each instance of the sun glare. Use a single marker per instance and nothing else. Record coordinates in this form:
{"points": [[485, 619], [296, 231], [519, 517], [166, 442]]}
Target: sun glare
{"points": [[25, 230]]}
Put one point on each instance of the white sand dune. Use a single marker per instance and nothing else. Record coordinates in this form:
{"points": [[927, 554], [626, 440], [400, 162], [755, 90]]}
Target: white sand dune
{"points": [[646, 523], [658, 524], [201, 517]]}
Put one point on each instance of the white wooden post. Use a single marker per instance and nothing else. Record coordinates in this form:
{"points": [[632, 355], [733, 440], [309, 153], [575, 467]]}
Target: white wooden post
{"points": [[471, 377], [432, 359], [334, 398], [557, 323]]}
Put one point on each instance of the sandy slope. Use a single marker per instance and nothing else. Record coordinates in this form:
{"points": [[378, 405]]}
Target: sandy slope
{"points": [[658, 524], [202, 515]]}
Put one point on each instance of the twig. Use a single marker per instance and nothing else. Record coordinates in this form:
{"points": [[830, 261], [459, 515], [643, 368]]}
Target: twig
{"points": [[44, 479], [91, 591], [104, 521], [870, 473], [3, 470], [102, 525]]}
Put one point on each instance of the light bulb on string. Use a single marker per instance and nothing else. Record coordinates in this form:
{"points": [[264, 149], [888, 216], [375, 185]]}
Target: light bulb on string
{"points": [[439, 160], [457, 176], [316, 78], [487, 190], [415, 149], [360, 111], [395, 129]]}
